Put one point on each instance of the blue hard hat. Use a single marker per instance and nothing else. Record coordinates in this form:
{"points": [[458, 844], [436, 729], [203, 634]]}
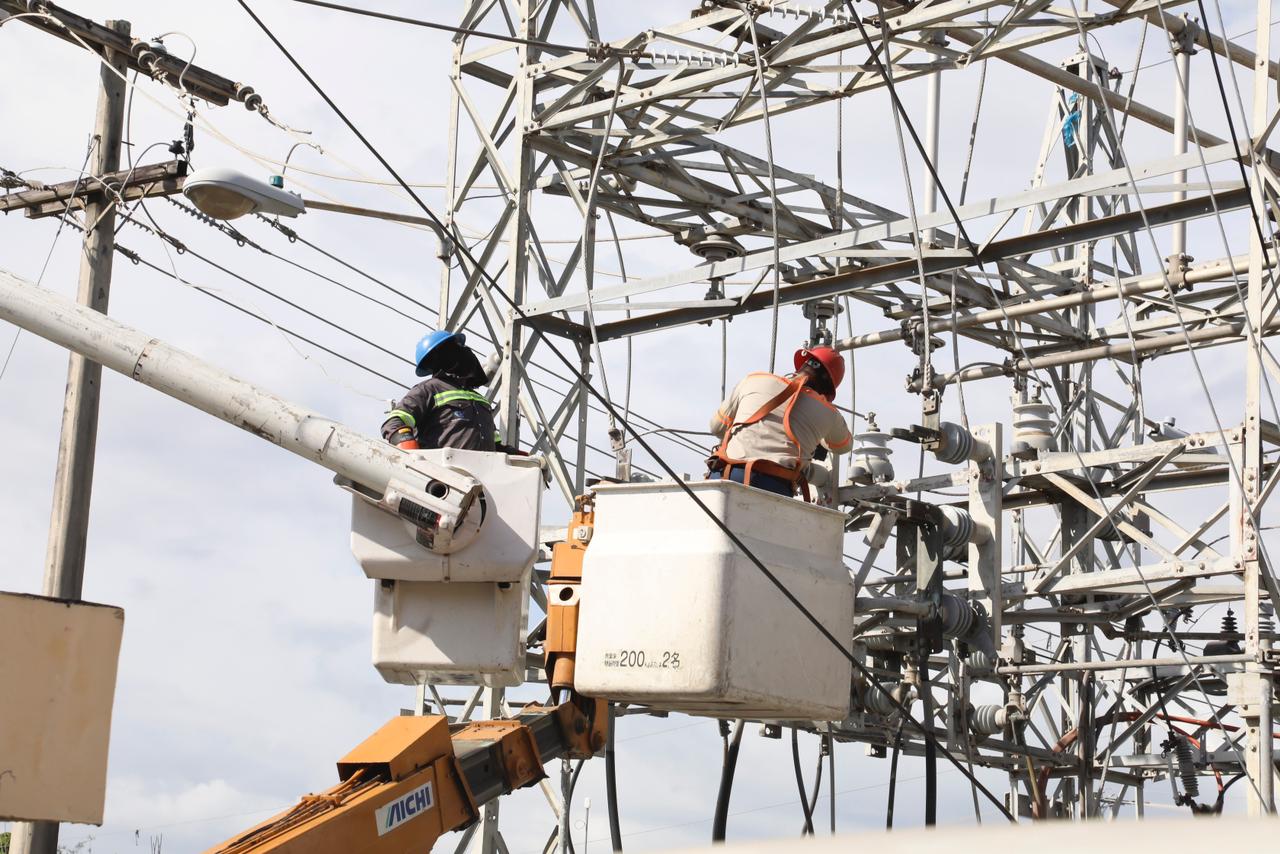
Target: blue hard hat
{"points": [[431, 341]]}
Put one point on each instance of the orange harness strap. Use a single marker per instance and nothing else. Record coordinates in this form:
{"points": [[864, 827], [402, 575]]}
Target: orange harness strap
{"points": [[788, 395]]}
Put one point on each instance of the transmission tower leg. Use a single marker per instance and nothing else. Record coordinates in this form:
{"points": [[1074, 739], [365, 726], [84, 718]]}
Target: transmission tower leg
{"points": [[518, 230], [580, 459], [1251, 693], [1254, 690], [73, 480], [451, 175]]}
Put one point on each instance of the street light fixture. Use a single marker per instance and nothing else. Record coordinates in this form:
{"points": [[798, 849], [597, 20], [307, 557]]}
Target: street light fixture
{"points": [[228, 194]]}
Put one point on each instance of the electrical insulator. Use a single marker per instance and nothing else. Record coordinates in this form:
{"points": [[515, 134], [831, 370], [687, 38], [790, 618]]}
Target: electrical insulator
{"points": [[1186, 766], [877, 701], [1229, 624], [1229, 644], [981, 664], [988, 719], [958, 616], [957, 531], [871, 456], [1033, 427], [956, 445], [966, 622], [819, 312]]}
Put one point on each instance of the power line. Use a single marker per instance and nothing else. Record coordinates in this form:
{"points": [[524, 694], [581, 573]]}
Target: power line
{"points": [[62, 222], [294, 236], [1247, 32], [672, 435], [1231, 129], [244, 240], [138, 259], [925, 729], [432, 25], [182, 247], [161, 234], [12, 346], [887, 75]]}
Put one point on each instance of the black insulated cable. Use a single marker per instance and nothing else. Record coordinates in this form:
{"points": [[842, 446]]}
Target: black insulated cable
{"points": [[730, 764], [611, 783], [1231, 126], [518, 312], [817, 781], [893, 777], [807, 830], [930, 747]]}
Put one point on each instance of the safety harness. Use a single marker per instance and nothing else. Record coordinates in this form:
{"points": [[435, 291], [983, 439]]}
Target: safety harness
{"points": [[721, 462]]}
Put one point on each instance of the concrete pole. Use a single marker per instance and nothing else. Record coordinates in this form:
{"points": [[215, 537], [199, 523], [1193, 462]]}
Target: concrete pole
{"points": [[73, 480]]}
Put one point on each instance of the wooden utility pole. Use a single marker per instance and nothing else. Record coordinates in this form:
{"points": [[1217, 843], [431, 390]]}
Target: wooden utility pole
{"points": [[73, 480]]}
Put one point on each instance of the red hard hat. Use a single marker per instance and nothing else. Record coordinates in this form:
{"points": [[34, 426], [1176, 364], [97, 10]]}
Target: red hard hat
{"points": [[830, 359]]}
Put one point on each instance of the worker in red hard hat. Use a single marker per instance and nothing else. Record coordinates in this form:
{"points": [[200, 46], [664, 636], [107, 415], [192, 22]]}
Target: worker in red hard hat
{"points": [[771, 427]]}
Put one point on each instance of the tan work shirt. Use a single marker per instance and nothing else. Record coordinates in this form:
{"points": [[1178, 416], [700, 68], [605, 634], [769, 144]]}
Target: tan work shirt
{"points": [[784, 432]]}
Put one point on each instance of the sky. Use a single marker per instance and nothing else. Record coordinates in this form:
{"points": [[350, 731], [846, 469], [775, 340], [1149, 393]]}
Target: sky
{"points": [[245, 671]]}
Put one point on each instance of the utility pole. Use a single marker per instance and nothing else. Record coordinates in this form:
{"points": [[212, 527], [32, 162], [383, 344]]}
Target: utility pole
{"points": [[73, 480]]}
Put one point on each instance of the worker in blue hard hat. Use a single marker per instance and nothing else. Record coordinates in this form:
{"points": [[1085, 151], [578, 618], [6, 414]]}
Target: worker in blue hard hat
{"points": [[445, 410]]}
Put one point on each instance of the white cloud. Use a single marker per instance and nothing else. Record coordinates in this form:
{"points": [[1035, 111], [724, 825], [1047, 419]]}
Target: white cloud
{"points": [[183, 817]]}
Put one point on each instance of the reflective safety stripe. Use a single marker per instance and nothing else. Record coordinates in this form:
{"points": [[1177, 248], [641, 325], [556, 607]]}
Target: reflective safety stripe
{"points": [[403, 416], [441, 398]]}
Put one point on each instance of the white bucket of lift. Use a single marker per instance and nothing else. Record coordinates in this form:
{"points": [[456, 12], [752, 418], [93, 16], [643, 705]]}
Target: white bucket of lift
{"points": [[675, 617], [501, 546], [450, 632], [458, 617]]}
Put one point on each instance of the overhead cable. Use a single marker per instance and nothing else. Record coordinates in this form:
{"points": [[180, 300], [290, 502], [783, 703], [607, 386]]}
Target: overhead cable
{"points": [[906, 119], [62, 222], [138, 259], [432, 25], [671, 435]]}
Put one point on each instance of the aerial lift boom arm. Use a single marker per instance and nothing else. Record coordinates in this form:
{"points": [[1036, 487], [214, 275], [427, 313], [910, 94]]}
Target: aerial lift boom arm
{"points": [[432, 497], [418, 778]]}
